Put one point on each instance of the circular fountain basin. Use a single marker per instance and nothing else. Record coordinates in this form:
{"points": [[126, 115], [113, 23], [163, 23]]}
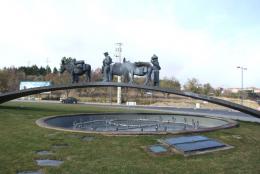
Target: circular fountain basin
{"points": [[135, 123]]}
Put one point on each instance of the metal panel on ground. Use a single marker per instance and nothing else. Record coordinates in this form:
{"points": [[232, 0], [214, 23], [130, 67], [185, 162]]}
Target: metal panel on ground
{"points": [[185, 139], [199, 146], [157, 149]]}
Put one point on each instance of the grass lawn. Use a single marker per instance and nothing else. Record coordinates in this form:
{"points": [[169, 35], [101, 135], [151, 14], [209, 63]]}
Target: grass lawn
{"points": [[20, 137]]}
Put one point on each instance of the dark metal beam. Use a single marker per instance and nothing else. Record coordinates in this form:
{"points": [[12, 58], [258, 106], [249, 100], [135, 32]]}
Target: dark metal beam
{"points": [[17, 94]]}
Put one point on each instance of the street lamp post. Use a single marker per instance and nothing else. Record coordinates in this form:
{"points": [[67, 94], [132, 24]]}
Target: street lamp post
{"points": [[118, 55], [242, 82]]}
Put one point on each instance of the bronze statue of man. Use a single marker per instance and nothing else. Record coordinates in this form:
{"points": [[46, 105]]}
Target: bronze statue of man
{"points": [[106, 67], [156, 68]]}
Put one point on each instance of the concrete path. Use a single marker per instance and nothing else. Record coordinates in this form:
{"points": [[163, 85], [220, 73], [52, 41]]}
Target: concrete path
{"points": [[230, 114]]}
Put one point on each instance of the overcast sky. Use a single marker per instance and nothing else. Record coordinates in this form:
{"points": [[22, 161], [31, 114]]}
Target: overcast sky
{"points": [[205, 39]]}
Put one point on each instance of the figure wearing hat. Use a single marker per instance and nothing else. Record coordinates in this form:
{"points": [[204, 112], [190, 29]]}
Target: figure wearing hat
{"points": [[106, 67], [156, 69]]}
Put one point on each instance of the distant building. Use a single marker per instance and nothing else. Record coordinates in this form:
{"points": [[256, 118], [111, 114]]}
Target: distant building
{"points": [[256, 90], [232, 90], [34, 84], [249, 89]]}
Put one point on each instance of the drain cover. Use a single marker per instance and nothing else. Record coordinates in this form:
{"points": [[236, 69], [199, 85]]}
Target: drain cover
{"points": [[199, 146], [189, 145], [44, 152], [157, 149], [30, 172], [185, 139], [47, 162]]}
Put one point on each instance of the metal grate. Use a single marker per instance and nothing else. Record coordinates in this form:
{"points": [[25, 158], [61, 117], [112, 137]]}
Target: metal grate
{"points": [[186, 139], [199, 146], [157, 149]]}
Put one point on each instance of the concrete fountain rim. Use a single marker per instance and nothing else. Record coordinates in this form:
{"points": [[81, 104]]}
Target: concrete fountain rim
{"points": [[230, 123]]}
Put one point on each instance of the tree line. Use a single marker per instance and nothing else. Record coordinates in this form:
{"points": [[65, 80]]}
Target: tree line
{"points": [[35, 70], [11, 77]]}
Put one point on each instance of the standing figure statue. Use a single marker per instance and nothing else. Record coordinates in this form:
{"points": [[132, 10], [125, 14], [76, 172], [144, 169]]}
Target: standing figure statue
{"points": [[106, 67], [156, 68]]}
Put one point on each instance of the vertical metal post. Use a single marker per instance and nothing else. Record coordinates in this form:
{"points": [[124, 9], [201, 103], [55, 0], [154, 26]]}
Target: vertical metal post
{"points": [[242, 87], [119, 90], [110, 91], [47, 61], [242, 83]]}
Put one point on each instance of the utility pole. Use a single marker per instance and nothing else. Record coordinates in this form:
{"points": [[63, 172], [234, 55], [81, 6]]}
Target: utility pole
{"points": [[47, 66], [242, 83], [118, 55], [47, 61], [28, 63]]}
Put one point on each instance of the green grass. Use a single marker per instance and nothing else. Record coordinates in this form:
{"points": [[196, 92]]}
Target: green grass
{"points": [[20, 137]]}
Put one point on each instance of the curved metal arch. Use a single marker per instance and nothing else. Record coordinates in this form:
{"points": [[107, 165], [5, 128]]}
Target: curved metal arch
{"points": [[17, 94]]}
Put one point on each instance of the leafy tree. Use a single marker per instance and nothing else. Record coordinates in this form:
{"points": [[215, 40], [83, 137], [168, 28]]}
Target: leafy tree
{"points": [[66, 59], [3, 81], [207, 89], [41, 71], [34, 70], [15, 77], [55, 70], [170, 83], [193, 85], [218, 91], [48, 69]]}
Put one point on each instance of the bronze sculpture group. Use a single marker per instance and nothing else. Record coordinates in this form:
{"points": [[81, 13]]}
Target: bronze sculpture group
{"points": [[126, 69], [76, 69]]}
